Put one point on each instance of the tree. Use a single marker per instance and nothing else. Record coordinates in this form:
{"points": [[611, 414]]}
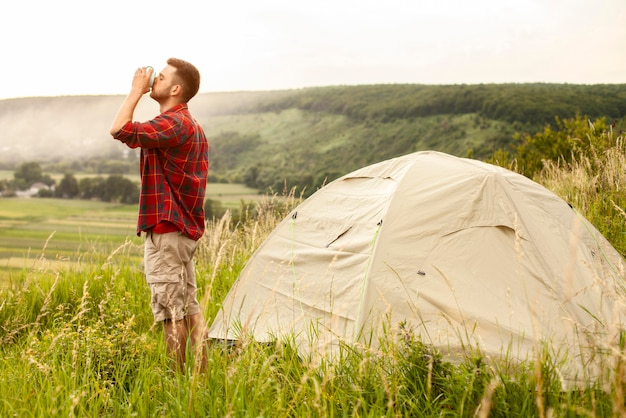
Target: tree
{"points": [[68, 187], [91, 187], [213, 209], [27, 174], [250, 177], [571, 137], [120, 189]]}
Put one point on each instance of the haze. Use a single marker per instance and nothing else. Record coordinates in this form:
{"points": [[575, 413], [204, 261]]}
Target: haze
{"points": [[72, 47]]}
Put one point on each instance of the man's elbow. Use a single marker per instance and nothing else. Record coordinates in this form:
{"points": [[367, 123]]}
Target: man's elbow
{"points": [[115, 129], [117, 125]]}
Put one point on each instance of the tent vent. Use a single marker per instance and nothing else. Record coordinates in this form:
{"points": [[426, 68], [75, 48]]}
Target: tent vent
{"points": [[339, 236], [294, 215]]}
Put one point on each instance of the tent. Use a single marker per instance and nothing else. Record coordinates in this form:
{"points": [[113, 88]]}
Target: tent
{"points": [[466, 254]]}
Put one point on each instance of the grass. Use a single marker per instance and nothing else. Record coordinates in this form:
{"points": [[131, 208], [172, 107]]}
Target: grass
{"points": [[231, 196], [59, 233], [79, 340]]}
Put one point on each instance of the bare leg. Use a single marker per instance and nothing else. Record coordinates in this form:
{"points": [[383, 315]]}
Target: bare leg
{"points": [[175, 333], [198, 330]]}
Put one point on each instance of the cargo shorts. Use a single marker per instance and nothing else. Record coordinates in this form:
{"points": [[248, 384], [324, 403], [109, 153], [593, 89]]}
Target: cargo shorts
{"points": [[169, 269]]}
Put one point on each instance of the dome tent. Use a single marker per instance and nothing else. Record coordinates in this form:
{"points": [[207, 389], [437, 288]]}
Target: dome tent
{"points": [[465, 253]]}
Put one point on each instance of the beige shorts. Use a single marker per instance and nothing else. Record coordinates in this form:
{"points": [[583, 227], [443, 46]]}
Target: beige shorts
{"points": [[168, 263]]}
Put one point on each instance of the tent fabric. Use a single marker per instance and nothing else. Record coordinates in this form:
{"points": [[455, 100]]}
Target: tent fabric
{"points": [[466, 254]]}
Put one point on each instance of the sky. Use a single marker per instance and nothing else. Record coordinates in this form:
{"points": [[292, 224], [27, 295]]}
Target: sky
{"points": [[79, 47]]}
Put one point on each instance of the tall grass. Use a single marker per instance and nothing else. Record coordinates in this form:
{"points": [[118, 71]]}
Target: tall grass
{"points": [[82, 342], [595, 184]]}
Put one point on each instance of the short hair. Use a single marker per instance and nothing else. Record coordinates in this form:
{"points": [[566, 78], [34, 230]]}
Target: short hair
{"points": [[188, 75]]}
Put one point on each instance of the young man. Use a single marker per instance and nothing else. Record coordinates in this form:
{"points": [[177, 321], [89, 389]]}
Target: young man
{"points": [[174, 166]]}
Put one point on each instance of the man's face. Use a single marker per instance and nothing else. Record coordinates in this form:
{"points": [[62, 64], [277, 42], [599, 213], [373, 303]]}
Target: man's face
{"points": [[164, 82]]}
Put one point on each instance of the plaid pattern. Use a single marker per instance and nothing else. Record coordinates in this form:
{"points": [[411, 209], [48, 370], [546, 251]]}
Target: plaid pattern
{"points": [[174, 167]]}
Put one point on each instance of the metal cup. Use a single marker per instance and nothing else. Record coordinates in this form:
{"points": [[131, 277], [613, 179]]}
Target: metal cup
{"points": [[152, 75]]}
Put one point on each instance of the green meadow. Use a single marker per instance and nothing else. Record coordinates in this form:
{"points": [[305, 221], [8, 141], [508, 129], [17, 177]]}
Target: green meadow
{"points": [[60, 233], [77, 336], [57, 233]]}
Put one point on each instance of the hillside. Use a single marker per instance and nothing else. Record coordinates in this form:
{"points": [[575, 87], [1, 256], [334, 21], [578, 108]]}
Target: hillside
{"points": [[309, 136], [48, 129]]}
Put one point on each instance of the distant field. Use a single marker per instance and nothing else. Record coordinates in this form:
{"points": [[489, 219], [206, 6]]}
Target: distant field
{"points": [[54, 233], [60, 232]]}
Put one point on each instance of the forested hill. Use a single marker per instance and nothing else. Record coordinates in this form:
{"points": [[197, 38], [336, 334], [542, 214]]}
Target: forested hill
{"points": [[305, 137], [531, 104], [313, 135]]}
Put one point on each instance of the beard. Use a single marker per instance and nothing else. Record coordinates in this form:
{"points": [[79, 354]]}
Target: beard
{"points": [[159, 92]]}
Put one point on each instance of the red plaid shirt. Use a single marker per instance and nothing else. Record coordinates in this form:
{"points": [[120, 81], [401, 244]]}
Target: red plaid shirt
{"points": [[174, 167]]}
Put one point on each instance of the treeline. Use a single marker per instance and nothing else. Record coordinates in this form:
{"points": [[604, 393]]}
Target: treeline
{"points": [[30, 176], [318, 134], [562, 144], [113, 188], [274, 141], [527, 104]]}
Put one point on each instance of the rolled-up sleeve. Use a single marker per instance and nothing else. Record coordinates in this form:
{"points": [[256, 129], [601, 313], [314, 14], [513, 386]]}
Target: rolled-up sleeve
{"points": [[164, 131]]}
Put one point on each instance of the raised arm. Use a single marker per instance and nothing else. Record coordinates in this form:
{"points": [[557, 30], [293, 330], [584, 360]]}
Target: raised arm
{"points": [[140, 86]]}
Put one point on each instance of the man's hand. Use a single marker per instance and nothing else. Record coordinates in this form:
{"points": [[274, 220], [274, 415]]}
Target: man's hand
{"points": [[139, 87], [141, 81]]}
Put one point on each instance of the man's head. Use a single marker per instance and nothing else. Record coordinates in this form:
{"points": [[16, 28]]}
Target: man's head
{"points": [[187, 76], [179, 80]]}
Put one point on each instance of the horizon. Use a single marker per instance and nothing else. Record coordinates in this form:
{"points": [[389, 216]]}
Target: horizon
{"points": [[312, 87]]}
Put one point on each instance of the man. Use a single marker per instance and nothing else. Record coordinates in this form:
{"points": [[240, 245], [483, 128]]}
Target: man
{"points": [[174, 166]]}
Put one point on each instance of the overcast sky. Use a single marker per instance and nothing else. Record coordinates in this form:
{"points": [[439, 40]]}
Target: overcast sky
{"points": [[72, 47]]}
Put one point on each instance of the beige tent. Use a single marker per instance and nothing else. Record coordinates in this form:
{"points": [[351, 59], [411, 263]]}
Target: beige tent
{"points": [[466, 254]]}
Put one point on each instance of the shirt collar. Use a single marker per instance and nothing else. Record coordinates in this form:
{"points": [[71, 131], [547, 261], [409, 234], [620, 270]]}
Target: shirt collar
{"points": [[177, 108]]}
